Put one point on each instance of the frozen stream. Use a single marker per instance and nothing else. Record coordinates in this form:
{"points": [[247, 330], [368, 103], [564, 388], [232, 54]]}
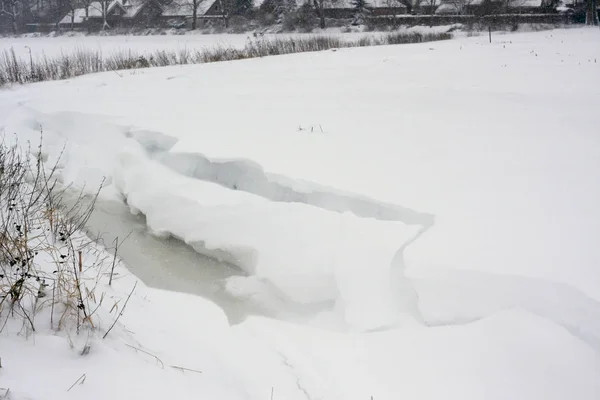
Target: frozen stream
{"points": [[170, 264], [446, 297], [165, 263]]}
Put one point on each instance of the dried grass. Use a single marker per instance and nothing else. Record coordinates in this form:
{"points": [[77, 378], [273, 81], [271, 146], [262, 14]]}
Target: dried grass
{"points": [[14, 70]]}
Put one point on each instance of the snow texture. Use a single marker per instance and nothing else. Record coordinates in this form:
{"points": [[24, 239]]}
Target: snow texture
{"points": [[437, 201]]}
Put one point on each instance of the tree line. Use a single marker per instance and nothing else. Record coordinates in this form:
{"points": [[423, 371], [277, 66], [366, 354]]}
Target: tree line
{"points": [[15, 13]]}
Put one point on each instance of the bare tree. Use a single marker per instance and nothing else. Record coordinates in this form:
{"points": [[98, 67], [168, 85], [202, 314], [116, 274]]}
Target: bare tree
{"points": [[195, 5], [225, 6], [104, 12], [412, 6], [13, 9], [104, 4], [591, 16], [72, 4], [361, 10], [86, 6], [432, 5], [61, 7], [393, 6], [320, 7]]}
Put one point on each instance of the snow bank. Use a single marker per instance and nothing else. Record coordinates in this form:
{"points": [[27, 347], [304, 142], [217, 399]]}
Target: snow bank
{"points": [[309, 254], [313, 255], [80, 146], [248, 176], [112, 337], [455, 297]]}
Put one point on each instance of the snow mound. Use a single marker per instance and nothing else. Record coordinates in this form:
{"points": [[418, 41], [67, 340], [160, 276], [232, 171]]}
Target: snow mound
{"points": [[350, 259], [249, 176]]}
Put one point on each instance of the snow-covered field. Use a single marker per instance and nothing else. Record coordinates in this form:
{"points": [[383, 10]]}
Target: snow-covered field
{"points": [[53, 46], [435, 205]]}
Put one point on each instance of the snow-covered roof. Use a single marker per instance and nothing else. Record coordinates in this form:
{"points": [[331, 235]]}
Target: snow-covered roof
{"points": [[184, 8], [447, 8], [525, 3], [344, 4], [132, 8], [452, 6], [371, 3], [177, 8], [94, 11]]}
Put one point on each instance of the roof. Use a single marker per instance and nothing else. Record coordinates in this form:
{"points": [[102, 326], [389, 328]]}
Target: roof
{"points": [[94, 11], [526, 3], [449, 6], [41, 8], [177, 8], [132, 8], [345, 4], [184, 8]]}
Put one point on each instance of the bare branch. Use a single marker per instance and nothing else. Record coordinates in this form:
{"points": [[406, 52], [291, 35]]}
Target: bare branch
{"points": [[150, 354], [79, 380], [185, 369]]}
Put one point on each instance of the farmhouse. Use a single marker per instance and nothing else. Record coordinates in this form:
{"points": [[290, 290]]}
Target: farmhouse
{"points": [[470, 7], [139, 13], [180, 12], [346, 9]]}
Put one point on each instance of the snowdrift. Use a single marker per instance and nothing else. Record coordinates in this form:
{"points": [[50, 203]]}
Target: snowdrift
{"points": [[345, 259]]}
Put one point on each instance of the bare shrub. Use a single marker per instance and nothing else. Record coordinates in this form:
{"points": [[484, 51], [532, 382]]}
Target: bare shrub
{"points": [[14, 70], [405, 38], [122, 60], [365, 41], [42, 271]]}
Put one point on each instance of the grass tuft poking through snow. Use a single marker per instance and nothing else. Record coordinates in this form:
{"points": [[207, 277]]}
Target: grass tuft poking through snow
{"points": [[17, 70]]}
